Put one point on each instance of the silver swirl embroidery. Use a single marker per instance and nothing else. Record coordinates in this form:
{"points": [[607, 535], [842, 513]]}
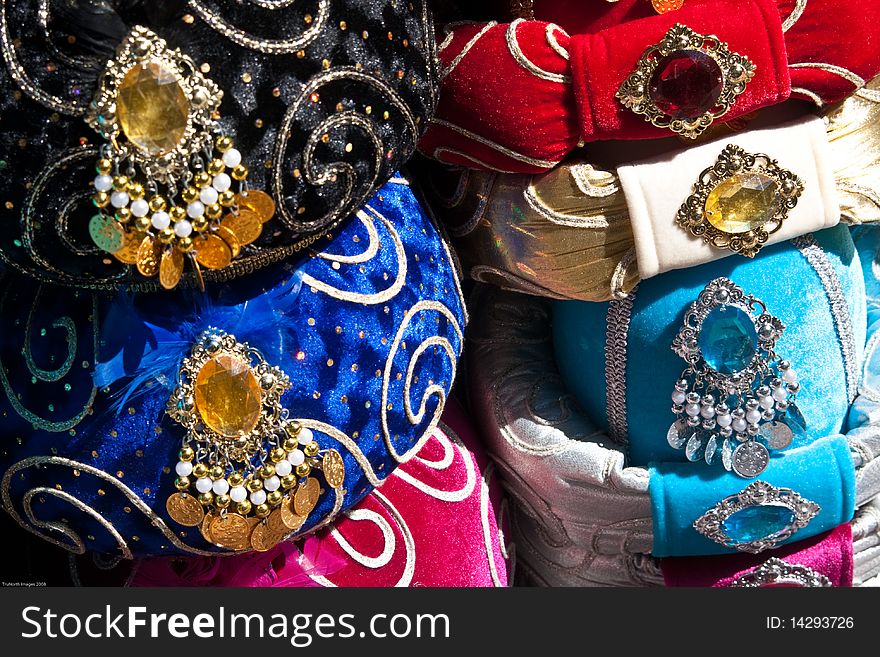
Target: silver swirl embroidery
{"points": [[617, 330]]}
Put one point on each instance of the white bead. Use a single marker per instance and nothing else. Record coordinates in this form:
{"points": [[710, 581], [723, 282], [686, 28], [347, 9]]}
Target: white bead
{"points": [[691, 409], [183, 228], [161, 220], [753, 417], [283, 468], [767, 402], [183, 468], [739, 425], [780, 394], [789, 375], [203, 485], [238, 493], [678, 397], [258, 497], [140, 208], [724, 420], [103, 183], [119, 199], [220, 487], [232, 158], [272, 483], [296, 457], [305, 436], [195, 209], [208, 195], [221, 182], [707, 412]]}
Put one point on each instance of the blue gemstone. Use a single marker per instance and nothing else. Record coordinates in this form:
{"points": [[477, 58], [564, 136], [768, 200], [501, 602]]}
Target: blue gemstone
{"points": [[728, 339], [757, 522], [795, 420]]}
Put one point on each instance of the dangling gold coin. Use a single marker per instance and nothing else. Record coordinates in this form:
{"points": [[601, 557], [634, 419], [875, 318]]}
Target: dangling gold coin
{"points": [[213, 253], [131, 245], [263, 538], [230, 238], [334, 468], [246, 225], [231, 531], [276, 525], [665, 6], [291, 519], [185, 509], [257, 201], [306, 496], [170, 269], [107, 233], [205, 527], [149, 253]]}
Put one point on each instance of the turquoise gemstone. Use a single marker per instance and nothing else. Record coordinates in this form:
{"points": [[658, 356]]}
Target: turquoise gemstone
{"points": [[758, 522], [728, 339]]}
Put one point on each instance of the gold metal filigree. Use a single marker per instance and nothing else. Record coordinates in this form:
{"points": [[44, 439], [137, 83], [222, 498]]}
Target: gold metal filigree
{"points": [[737, 70]]}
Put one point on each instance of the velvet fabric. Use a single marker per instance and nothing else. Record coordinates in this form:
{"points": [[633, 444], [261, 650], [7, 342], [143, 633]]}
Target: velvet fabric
{"points": [[433, 522], [791, 289], [368, 328], [830, 554], [518, 97]]}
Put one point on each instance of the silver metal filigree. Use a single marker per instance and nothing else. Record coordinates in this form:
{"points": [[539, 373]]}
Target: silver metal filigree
{"points": [[776, 572], [759, 493]]}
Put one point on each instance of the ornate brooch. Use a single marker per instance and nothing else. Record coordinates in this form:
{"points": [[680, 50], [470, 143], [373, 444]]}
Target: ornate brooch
{"points": [[740, 201], [686, 81], [250, 465], [758, 518], [736, 396], [778, 573], [170, 184]]}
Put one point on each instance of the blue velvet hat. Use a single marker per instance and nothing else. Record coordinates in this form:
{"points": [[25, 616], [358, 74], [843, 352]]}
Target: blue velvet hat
{"points": [[349, 353]]}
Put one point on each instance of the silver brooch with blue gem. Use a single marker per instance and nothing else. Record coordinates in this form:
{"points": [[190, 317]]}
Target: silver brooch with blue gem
{"points": [[736, 397]]}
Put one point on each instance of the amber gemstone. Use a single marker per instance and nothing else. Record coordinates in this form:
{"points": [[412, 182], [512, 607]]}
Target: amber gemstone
{"points": [[228, 396], [152, 108], [686, 84], [741, 203]]}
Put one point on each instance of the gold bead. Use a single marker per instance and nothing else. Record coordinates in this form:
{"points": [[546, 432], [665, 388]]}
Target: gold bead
{"points": [[104, 166], [240, 172], [200, 224], [186, 245], [222, 501], [202, 180], [157, 204], [189, 194], [177, 213], [262, 510], [182, 483], [293, 428], [142, 224], [278, 455], [274, 498], [123, 215], [120, 183], [214, 211], [223, 144], [206, 498], [288, 481], [290, 444], [311, 449], [253, 485], [227, 198], [187, 454], [235, 479], [215, 167], [101, 199], [200, 470], [166, 236], [136, 191], [303, 469], [267, 471], [244, 507]]}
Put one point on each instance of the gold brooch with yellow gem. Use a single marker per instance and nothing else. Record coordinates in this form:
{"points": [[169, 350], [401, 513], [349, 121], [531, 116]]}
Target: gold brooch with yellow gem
{"points": [[740, 201], [245, 474], [686, 81], [170, 184]]}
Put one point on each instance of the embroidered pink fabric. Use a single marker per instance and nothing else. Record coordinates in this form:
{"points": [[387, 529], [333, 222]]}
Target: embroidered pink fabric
{"points": [[433, 522]]}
